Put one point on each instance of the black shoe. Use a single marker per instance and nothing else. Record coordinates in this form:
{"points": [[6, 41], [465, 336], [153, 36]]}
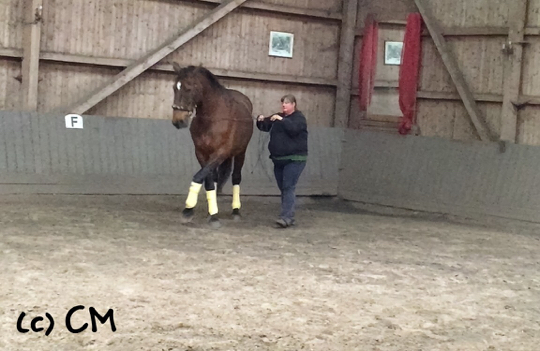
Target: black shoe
{"points": [[285, 223]]}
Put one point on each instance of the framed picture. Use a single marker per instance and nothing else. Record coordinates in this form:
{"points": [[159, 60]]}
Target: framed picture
{"points": [[281, 44], [392, 52]]}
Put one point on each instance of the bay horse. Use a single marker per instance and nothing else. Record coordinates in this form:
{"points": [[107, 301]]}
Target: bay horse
{"points": [[221, 128]]}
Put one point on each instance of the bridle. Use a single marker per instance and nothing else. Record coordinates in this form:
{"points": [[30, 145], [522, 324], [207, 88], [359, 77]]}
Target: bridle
{"points": [[180, 108]]}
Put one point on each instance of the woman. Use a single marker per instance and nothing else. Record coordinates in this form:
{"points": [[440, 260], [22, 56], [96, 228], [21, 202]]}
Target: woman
{"points": [[288, 151]]}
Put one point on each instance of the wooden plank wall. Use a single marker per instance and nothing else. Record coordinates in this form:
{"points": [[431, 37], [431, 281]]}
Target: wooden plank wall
{"points": [[11, 24], [476, 32], [529, 118], [480, 59], [84, 43]]}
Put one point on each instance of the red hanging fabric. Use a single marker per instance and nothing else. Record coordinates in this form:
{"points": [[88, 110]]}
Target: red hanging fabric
{"points": [[368, 62], [409, 71]]}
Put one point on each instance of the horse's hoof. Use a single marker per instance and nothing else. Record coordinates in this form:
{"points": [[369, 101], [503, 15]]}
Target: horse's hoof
{"points": [[187, 215], [214, 222], [236, 215]]}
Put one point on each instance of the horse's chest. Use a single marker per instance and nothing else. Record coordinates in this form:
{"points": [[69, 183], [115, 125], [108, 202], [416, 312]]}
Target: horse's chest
{"points": [[205, 141]]}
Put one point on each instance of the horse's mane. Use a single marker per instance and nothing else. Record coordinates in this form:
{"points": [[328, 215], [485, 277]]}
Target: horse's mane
{"points": [[185, 72]]}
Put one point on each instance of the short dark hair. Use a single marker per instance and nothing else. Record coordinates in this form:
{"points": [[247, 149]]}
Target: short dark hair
{"points": [[289, 97]]}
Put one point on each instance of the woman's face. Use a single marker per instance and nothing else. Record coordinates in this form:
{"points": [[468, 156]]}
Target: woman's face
{"points": [[288, 107]]}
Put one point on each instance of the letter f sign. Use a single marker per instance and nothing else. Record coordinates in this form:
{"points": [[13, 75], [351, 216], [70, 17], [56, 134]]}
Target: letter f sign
{"points": [[74, 121]]}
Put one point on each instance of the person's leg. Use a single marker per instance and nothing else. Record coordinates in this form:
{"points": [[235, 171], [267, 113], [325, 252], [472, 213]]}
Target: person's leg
{"points": [[278, 173], [291, 174]]}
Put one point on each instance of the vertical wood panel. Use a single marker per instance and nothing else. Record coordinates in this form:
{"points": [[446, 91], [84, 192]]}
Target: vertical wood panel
{"points": [[10, 87], [11, 24], [513, 71], [345, 64], [531, 67], [529, 126]]}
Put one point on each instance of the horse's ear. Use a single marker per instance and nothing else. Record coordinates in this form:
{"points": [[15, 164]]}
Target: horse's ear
{"points": [[176, 67]]}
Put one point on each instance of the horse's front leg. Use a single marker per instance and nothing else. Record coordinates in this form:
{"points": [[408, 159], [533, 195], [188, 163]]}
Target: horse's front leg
{"points": [[191, 201], [205, 174]]}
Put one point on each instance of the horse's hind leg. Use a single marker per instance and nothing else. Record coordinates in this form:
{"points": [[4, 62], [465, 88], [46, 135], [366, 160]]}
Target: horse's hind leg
{"points": [[236, 180], [211, 196]]}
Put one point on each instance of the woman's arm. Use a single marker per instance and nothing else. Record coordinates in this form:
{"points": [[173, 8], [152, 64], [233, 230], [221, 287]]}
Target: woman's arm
{"points": [[264, 123], [295, 124]]}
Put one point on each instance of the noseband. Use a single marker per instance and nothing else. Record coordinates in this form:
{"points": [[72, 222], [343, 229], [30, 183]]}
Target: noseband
{"points": [[178, 108]]}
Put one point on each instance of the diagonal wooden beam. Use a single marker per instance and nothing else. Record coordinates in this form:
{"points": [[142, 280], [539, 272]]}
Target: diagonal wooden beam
{"points": [[513, 70], [31, 48], [151, 58], [449, 60]]}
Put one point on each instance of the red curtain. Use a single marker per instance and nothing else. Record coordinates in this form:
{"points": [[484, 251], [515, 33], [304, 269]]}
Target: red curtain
{"points": [[409, 72], [368, 62]]}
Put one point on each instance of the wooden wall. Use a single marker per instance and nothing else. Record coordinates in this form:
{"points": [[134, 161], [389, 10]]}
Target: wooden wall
{"points": [[479, 58], [475, 33], [529, 121], [85, 43]]}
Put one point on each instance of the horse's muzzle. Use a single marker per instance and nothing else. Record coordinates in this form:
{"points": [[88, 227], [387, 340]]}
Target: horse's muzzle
{"points": [[180, 124], [181, 118]]}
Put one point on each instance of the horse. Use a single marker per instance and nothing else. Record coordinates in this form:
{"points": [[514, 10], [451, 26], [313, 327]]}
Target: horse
{"points": [[221, 125]]}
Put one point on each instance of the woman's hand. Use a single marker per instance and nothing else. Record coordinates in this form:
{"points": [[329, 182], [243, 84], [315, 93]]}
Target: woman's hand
{"points": [[260, 118], [276, 118]]}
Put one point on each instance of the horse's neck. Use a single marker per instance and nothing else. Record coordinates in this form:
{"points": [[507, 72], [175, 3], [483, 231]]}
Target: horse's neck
{"points": [[206, 106]]}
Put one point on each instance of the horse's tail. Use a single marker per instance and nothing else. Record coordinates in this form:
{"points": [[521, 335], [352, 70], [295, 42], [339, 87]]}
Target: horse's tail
{"points": [[223, 173]]}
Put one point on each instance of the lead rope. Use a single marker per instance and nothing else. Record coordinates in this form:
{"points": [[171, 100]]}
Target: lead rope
{"points": [[262, 143]]}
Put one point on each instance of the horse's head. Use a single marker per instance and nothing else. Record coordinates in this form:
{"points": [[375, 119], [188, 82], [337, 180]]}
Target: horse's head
{"points": [[187, 93]]}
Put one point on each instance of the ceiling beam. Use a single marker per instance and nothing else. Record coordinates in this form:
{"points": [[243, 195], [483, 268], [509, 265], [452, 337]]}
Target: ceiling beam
{"points": [[48, 56], [285, 10]]}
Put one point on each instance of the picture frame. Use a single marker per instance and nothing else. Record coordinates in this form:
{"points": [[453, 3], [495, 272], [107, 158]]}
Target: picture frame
{"points": [[392, 52], [281, 44]]}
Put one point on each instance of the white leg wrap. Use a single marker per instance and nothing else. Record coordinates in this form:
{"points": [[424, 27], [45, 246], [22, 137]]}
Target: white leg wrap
{"points": [[212, 202], [193, 195], [236, 197]]}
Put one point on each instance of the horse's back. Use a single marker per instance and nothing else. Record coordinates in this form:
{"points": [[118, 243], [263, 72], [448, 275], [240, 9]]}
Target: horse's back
{"points": [[242, 99]]}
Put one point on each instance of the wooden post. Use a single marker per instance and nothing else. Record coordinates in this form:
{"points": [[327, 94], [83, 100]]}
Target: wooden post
{"points": [[151, 58], [345, 64], [512, 70], [31, 48], [449, 60]]}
